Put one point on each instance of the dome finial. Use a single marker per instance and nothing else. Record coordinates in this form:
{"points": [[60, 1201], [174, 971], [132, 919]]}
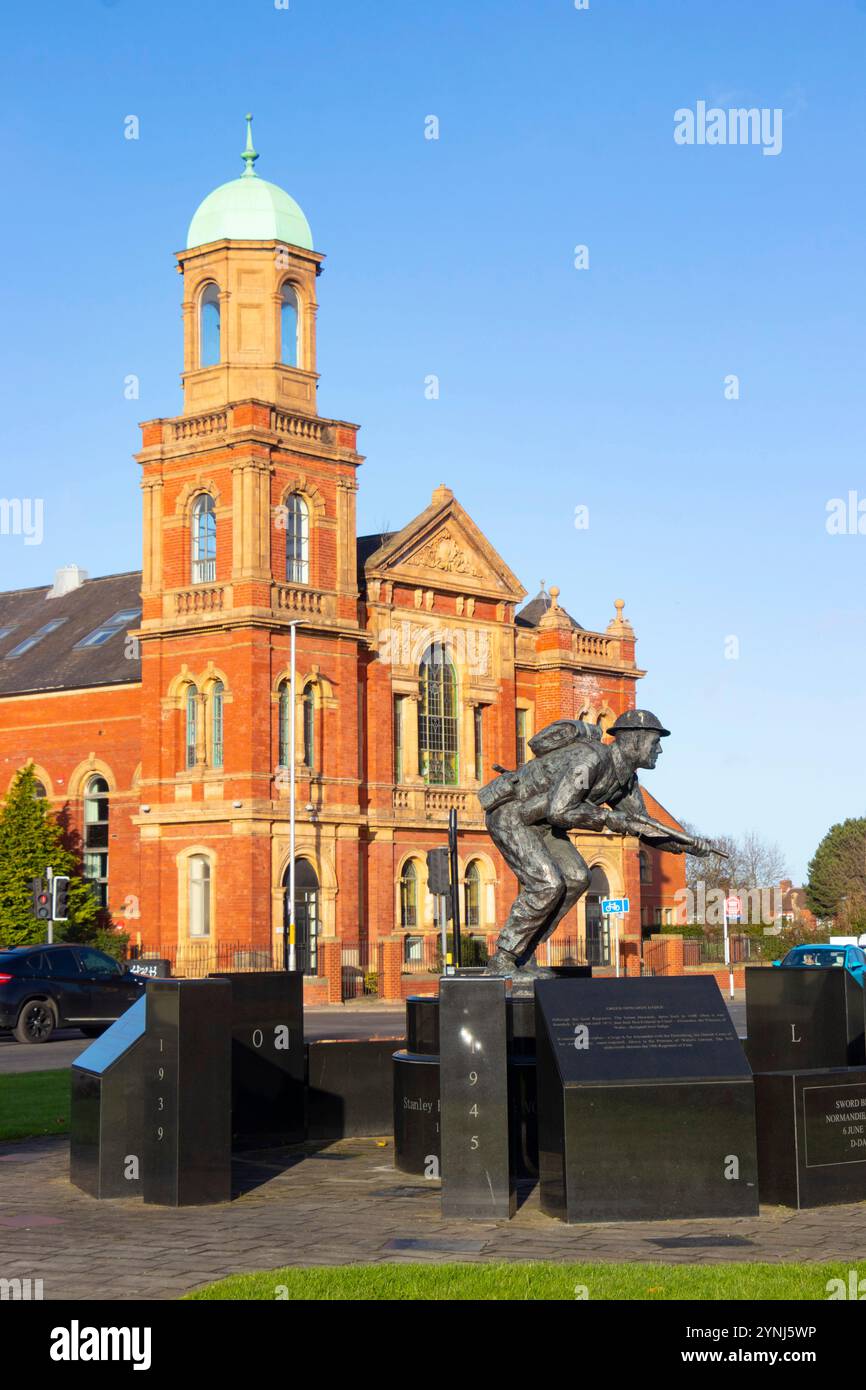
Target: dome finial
{"points": [[249, 155]]}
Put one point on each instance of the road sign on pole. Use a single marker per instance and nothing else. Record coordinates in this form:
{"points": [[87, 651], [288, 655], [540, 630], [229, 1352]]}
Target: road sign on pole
{"points": [[614, 907]]}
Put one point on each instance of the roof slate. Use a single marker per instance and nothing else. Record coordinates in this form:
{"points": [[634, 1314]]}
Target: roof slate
{"points": [[53, 664]]}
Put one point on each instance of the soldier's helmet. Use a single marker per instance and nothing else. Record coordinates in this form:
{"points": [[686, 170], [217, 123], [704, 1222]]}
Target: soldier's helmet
{"points": [[638, 719]]}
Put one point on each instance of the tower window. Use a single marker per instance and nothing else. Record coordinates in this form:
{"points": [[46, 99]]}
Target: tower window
{"points": [[209, 326], [289, 327], [217, 724], [191, 724], [203, 540], [285, 731], [297, 540], [437, 718], [309, 725]]}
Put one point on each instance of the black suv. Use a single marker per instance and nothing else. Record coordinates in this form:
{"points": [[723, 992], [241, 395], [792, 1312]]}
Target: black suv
{"points": [[48, 987]]}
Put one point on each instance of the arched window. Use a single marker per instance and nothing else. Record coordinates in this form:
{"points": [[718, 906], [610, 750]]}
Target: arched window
{"points": [[203, 540], [96, 809], [38, 789], [285, 730], [646, 871], [473, 894], [409, 895], [216, 696], [297, 540], [309, 706], [209, 326], [437, 718], [289, 327], [191, 724], [199, 895]]}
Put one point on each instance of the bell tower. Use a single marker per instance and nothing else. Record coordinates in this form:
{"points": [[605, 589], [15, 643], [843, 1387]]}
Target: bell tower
{"points": [[249, 532], [249, 307]]}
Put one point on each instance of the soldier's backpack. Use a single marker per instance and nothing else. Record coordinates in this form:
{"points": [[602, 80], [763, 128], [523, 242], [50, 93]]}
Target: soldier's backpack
{"points": [[559, 735], [562, 734]]}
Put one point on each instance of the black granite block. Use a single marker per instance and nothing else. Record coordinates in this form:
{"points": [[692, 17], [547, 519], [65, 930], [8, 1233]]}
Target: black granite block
{"points": [[812, 1136], [422, 1025], [417, 1137], [477, 1173], [349, 1088], [800, 1017], [107, 1092], [187, 1120], [267, 1058], [645, 1102]]}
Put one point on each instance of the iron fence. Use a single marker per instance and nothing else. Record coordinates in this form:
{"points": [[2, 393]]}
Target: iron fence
{"points": [[196, 959], [744, 950], [360, 969]]}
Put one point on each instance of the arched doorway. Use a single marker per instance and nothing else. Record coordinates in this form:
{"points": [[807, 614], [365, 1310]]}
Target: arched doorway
{"points": [[597, 926], [306, 915]]}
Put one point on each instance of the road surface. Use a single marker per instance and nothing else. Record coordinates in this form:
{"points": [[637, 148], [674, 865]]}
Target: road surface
{"points": [[356, 1020], [327, 1021]]}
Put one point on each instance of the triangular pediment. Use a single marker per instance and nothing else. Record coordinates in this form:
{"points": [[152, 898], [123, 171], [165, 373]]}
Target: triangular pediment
{"points": [[444, 549]]}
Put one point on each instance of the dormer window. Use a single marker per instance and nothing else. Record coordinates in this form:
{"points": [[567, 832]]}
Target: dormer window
{"points": [[209, 326], [203, 540], [289, 327]]}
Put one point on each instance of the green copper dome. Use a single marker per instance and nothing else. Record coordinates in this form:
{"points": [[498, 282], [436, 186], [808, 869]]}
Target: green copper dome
{"points": [[249, 209]]}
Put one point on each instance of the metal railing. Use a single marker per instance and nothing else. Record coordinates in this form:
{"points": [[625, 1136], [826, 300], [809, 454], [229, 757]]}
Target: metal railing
{"points": [[360, 969]]}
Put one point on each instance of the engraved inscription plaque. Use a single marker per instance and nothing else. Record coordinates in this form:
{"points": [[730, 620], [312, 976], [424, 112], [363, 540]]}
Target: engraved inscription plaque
{"points": [[645, 1101], [812, 1136]]}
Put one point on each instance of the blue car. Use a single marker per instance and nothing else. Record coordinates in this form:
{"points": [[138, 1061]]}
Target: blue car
{"points": [[849, 958]]}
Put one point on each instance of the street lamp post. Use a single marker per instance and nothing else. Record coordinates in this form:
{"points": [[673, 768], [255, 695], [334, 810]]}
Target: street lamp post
{"points": [[290, 954]]}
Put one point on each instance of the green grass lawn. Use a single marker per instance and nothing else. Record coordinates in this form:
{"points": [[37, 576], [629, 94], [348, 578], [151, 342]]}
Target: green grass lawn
{"points": [[533, 1282], [33, 1103]]}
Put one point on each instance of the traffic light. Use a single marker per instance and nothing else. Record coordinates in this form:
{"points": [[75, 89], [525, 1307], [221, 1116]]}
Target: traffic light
{"points": [[438, 876], [60, 898], [41, 901]]}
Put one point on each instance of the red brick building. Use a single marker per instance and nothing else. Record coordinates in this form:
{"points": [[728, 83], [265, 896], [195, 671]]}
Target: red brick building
{"points": [[156, 705]]}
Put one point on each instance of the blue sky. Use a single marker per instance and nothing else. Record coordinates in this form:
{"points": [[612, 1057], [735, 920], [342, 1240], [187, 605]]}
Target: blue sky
{"points": [[559, 387]]}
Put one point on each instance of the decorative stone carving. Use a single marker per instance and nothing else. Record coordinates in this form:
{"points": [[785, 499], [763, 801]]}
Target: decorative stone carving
{"points": [[444, 553]]}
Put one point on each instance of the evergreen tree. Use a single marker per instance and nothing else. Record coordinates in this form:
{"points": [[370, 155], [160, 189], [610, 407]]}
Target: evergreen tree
{"points": [[837, 872], [30, 840]]}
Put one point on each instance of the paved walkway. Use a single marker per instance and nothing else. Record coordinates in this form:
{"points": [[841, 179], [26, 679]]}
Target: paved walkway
{"points": [[342, 1204]]}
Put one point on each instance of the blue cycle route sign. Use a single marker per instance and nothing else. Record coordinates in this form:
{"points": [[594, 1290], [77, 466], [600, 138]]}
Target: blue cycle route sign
{"points": [[614, 907]]}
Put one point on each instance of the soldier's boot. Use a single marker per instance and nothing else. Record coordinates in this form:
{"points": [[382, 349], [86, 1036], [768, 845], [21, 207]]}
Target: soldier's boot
{"points": [[534, 971], [502, 963]]}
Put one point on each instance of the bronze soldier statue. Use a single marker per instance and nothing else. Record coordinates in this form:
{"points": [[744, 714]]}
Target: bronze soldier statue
{"points": [[574, 782]]}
